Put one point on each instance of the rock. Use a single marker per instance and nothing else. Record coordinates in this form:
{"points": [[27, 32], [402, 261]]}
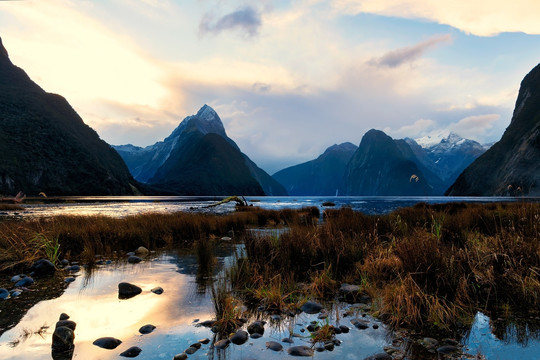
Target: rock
{"points": [[62, 343], [360, 324], [344, 329], [329, 345], [287, 340], [274, 345], [429, 343], [24, 282], [447, 349], [313, 327], [63, 316], [204, 341], [132, 352], [349, 292], [222, 344], [337, 330], [256, 336], [131, 253], [379, 356], [196, 345], [127, 290], [134, 259], [191, 350], [64, 262], [375, 326], [43, 267], [320, 348], [226, 238], [66, 323], [181, 356], [69, 280], [275, 317], [73, 268], [311, 307], [157, 290], [4, 294], [17, 277], [300, 351], [256, 327], [239, 338], [107, 343], [14, 293], [147, 329], [207, 323], [141, 250]]}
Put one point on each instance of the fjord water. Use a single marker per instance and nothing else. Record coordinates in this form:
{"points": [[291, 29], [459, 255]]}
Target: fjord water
{"points": [[119, 206]]}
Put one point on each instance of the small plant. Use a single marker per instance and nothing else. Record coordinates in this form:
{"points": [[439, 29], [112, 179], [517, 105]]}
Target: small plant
{"points": [[323, 334], [50, 246]]}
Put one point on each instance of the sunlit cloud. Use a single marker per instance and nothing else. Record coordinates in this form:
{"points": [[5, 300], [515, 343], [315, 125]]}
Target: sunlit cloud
{"points": [[479, 17]]}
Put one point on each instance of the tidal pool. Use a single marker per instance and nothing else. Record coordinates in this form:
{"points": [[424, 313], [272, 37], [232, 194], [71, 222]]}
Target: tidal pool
{"points": [[92, 302]]}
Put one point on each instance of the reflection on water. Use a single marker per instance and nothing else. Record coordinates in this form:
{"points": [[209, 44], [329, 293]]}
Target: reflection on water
{"points": [[92, 302], [124, 206]]}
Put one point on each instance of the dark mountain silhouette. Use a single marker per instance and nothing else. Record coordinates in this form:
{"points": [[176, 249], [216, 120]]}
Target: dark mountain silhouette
{"points": [[221, 168], [320, 177], [511, 166], [380, 168], [46, 147]]}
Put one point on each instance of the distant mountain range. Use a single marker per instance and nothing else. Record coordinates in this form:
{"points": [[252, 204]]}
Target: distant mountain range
{"points": [[46, 147], [198, 158], [512, 165], [383, 166]]}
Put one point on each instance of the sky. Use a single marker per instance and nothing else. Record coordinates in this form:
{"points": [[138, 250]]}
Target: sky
{"points": [[288, 78]]}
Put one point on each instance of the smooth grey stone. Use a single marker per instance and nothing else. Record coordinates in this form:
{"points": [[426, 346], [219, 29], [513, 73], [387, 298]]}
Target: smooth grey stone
{"points": [[132, 352], [287, 340], [134, 259], [73, 268], [69, 280], [329, 346], [196, 345], [43, 267], [147, 329], [274, 345], [311, 307], [191, 350], [4, 294], [344, 329], [14, 293], [107, 342], [62, 339], [360, 324], [240, 337], [127, 290], [256, 336], [300, 351], [63, 316], [141, 250], [204, 341], [17, 277], [222, 344], [64, 262], [131, 253], [181, 356], [24, 282], [157, 290]]}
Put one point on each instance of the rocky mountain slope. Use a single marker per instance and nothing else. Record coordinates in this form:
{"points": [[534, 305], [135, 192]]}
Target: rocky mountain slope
{"points": [[46, 147], [319, 177], [221, 168], [511, 166], [381, 167]]}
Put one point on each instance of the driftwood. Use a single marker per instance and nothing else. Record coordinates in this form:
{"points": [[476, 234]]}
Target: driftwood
{"points": [[19, 198], [240, 201]]}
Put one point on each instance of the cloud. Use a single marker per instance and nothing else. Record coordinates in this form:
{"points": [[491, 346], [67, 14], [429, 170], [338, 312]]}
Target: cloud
{"points": [[418, 128], [474, 126], [478, 17], [246, 19], [408, 54]]}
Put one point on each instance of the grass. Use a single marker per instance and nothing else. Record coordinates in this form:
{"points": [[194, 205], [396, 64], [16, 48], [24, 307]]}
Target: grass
{"points": [[428, 266], [24, 241]]}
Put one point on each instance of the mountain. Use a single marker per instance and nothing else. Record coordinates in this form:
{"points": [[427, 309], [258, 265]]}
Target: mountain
{"points": [[511, 166], [446, 156], [198, 158], [320, 177], [380, 167], [46, 147]]}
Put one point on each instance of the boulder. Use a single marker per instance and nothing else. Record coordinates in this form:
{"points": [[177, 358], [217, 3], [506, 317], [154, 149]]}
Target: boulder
{"points": [[107, 343], [132, 352], [147, 329], [127, 290], [43, 267], [256, 327], [239, 338]]}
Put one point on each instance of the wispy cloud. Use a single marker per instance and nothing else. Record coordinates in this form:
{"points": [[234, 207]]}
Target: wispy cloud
{"points": [[409, 54], [246, 19], [479, 17]]}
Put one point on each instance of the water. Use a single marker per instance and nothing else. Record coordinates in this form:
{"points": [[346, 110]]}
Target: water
{"points": [[124, 206]]}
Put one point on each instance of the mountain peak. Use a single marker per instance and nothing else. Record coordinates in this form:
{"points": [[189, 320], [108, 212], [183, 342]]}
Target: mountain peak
{"points": [[4, 56], [343, 147]]}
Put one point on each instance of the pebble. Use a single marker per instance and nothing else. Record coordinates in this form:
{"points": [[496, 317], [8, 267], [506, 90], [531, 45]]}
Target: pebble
{"points": [[64, 316], [17, 277], [127, 290], [43, 267], [222, 344], [15, 293], [157, 290], [256, 336], [360, 324], [66, 323], [191, 350], [69, 280], [132, 352], [274, 345], [344, 329], [134, 259], [300, 351], [256, 327], [311, 307], [107, 343], [141, 250], [287, 340], [73, 268], [204, 341], [147, 329], [24, 282], [239, 338], [4, 294], [181, 356]]}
